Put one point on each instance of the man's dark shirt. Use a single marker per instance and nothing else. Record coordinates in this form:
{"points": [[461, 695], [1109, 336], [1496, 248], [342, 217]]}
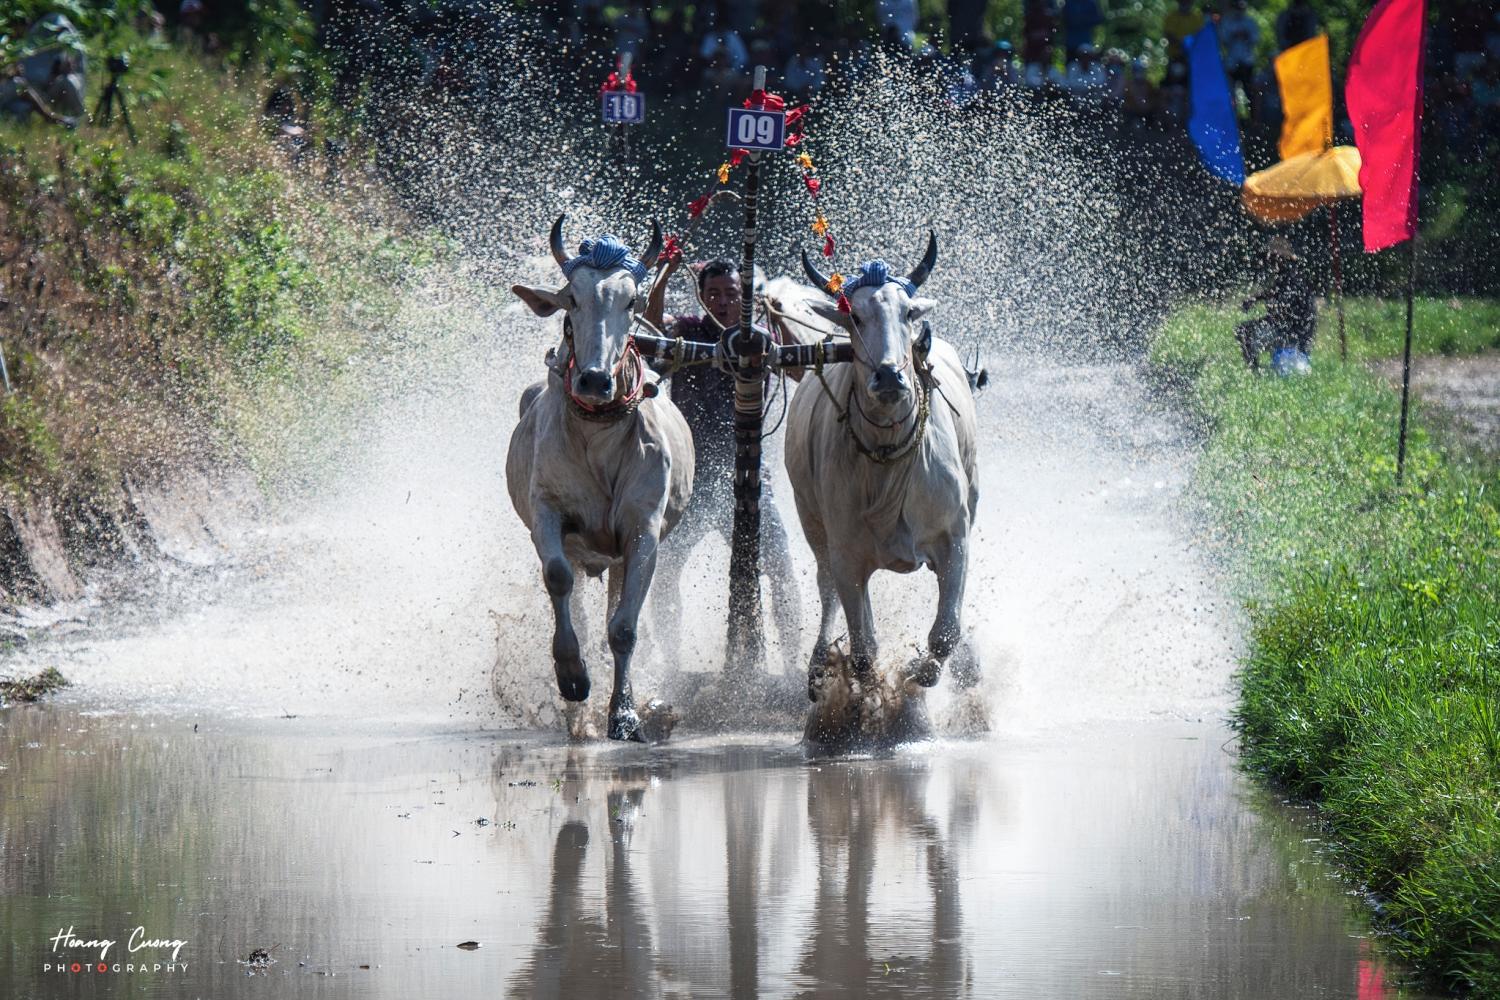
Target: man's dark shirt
{"points": [[705, 396], [1289, 306]]}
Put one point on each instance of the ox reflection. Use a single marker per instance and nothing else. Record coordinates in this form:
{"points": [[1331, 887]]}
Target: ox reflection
{"points": [[810, 881]]}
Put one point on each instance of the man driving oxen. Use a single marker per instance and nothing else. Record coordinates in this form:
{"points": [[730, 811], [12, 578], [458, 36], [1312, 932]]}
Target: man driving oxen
{"points": [[705, 396]]}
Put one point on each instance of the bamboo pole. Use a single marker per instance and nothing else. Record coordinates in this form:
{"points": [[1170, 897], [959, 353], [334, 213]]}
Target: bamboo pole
{"points": [[747, 353]]}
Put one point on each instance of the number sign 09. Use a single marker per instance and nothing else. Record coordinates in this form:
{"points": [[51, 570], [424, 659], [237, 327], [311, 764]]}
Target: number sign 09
{"points": [[750, 129]]}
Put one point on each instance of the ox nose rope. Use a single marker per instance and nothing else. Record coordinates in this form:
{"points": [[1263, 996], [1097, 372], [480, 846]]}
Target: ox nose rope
{"points": [[925, 383], [622, 404]]}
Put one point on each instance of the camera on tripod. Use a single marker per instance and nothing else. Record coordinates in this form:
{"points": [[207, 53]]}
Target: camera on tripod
{"points": [[114, 94]]}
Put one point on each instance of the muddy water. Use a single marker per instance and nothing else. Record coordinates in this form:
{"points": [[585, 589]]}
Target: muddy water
{"points": [[1091, 837], [1128, 860]]}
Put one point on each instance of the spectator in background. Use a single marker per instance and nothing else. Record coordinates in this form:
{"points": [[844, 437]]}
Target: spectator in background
{"points": [[1080, 19], [966, 24], [1173, 99], [897, 16], [1140, 95], [1266, 108], [1086, 79], [1291, 316], [1239, 35], [804, 73], [1039, 32], [997, 68], [631, 30], [1487, 96], [1179, 23], [724, 52], [1297, 24], [1470, 21], [189, 19], [1114, 63]]}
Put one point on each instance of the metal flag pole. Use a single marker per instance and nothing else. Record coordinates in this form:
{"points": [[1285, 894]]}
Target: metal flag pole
{"points": [[1411, 283], [746, 348], [622, 134], [1338, 276]]}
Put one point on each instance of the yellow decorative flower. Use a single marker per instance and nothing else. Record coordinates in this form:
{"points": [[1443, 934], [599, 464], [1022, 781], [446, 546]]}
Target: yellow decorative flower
{"points": [[804, 160], [835, 282], [820, 226], [724, 173]]}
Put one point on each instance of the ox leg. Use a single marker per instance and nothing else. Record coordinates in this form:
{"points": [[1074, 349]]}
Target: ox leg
{"points": [[828, 601], [639, 566], [557, 573], [853, 583], [947, 628]]}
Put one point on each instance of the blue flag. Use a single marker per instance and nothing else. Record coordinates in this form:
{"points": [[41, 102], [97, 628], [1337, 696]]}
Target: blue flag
{"points": [[1212, 124]]}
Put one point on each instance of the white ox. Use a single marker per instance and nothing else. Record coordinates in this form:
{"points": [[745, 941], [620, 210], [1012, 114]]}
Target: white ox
{"points": [[881, 457], [600, 467]]}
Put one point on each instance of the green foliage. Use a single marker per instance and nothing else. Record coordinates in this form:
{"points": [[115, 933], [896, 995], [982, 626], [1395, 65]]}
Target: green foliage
{"points": [[105, 24], [1374, 671], [185, 295], [274, 36]]}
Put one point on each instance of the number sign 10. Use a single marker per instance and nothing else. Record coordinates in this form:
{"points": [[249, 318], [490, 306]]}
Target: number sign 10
{"points": [[750, 129], [621, 107]]}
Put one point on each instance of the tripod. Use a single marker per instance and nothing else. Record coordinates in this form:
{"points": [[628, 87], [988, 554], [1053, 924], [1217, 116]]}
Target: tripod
{"points": [[114, 94]]}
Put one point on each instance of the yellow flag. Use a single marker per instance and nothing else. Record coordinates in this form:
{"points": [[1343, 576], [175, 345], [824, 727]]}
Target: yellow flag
{"points": [[1306, 98]]}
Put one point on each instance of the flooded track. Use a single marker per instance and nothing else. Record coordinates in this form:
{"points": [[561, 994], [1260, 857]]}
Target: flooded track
{"points": [[1097, 841], [1129, 860]]}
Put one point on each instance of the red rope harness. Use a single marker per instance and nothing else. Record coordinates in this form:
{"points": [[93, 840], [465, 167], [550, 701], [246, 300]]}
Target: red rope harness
{"points": [[620, 405]]}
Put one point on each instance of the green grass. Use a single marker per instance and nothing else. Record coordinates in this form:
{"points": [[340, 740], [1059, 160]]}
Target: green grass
{"points": [[1372, 685], [182, 299], [1377, 327]]}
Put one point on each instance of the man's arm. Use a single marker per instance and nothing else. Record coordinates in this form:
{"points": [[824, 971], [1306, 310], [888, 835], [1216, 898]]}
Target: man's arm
{"points": [[656, 304]]}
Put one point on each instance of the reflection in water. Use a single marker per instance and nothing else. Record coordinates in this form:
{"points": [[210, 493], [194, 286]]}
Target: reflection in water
{"points": [[578, 953], [849, 810], [1127, 863]]}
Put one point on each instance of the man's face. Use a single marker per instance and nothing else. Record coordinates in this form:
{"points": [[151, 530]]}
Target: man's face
{"points": [[721, 294]]}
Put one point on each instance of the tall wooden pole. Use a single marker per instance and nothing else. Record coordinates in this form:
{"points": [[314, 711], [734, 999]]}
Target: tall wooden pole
{"points": [[747, 352], [1411, 284]]}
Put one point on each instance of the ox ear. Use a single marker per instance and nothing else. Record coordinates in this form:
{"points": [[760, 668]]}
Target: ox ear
{"points": [[920, 307], [540, 300], [830, 312]]}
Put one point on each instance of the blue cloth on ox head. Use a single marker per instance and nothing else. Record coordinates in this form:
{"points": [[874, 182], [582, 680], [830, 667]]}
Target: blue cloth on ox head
{"points": [[876, 273], [605, 252]]}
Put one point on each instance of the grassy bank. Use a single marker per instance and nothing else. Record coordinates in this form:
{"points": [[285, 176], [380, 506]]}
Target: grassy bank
{"points": [[1373, 682], [175, 301]]}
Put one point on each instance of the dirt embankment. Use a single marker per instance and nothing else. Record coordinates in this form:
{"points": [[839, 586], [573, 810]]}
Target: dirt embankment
{"points": [[55, 551], [1465, 391]]}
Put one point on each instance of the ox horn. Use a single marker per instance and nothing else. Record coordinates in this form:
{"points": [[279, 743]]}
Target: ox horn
{"points": [[921, 272], [813, 274], [559, 252], [648, 259]]}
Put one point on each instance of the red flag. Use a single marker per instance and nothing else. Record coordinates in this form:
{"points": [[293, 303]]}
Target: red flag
{"points": [[1384, 97]]}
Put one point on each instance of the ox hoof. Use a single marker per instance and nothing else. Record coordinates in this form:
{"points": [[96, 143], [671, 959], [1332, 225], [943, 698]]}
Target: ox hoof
{"points": [[572, 679], [624, 723], [925, 671]]}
